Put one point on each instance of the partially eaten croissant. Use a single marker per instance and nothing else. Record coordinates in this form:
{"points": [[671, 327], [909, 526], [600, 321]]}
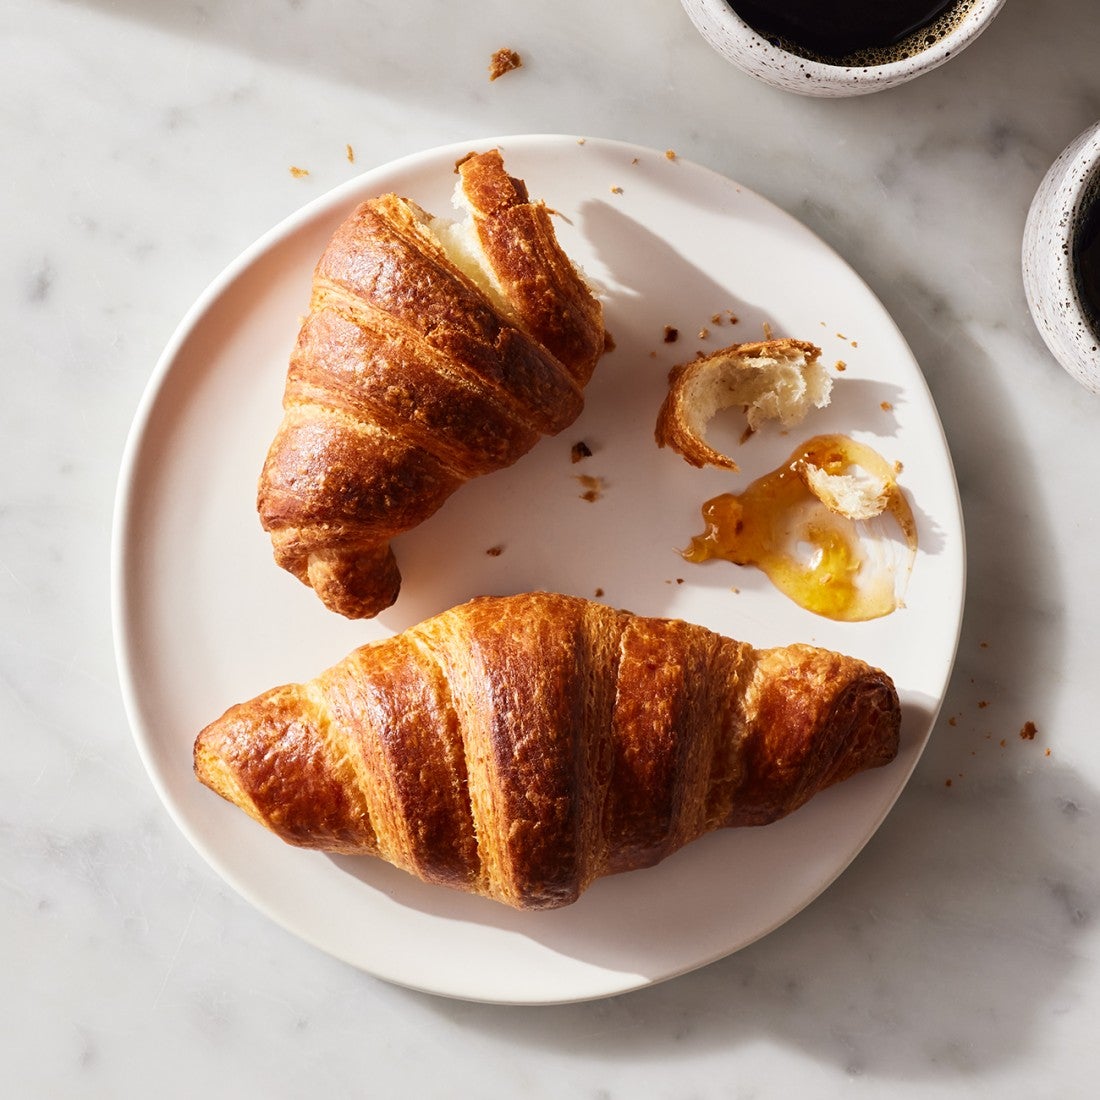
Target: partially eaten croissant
{"points": [[432, 353], [521, 747]]}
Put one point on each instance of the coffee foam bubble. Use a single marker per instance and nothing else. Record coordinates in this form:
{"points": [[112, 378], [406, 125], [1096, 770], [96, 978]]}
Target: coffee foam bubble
{"points": [[917, 42]]}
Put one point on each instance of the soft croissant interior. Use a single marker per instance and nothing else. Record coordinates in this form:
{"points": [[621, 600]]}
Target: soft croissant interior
{"points": [[436, 350], [458, 237], [779, 380]]}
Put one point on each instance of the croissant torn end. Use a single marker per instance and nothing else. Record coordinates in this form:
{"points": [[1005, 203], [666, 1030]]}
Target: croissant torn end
{"points": [[433, 352], [781, 380]]}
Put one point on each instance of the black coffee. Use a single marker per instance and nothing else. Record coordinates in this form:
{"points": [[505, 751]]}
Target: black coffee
{"points": [[1086, 259], [852, 32]]}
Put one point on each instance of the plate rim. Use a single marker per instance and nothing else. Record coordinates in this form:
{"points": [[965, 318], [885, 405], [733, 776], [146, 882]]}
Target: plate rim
{"points": [[125, 502]]}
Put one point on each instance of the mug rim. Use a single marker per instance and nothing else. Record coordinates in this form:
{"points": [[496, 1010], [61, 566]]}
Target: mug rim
{"points": [[1051, 287], [1085, 193], [976, 19]]}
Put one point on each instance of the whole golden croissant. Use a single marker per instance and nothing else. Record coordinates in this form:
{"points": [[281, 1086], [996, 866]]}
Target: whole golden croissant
{"points": [[432, 353], [520, 747]]}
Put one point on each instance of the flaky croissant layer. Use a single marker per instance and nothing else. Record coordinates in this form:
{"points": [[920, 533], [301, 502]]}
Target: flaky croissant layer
{"points": [[432, 353], [521, 747]]}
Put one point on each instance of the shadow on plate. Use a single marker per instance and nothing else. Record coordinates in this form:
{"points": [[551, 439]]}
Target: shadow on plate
{"points": [[714, 896], [953, 938]]}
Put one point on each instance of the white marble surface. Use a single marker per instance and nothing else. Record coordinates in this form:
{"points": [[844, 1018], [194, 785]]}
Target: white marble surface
{"points": [[146, 143]]}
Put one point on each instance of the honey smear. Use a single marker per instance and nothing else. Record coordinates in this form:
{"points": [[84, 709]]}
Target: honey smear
{"points": [[830, 528]]}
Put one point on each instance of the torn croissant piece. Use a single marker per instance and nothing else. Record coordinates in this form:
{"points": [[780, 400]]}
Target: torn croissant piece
{"points": [[432, 353], [771, 379], [860, 494], [521, 747]]}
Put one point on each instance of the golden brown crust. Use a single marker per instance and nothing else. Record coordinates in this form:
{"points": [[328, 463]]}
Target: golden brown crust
{"points": [[408, 379], [550, 300], [520, 747]]}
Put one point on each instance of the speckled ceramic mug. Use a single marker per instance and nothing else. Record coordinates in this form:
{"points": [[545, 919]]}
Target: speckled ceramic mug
{"points": [[736, 41], [1051, 233]]}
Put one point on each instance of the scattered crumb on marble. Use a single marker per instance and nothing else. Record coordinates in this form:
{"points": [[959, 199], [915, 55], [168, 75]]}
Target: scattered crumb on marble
{"points": [[841, 365], [349, 152], [298, 173], [1028, 732], [616, 190], [598, 593], [495, 551], [503, 61], [672, 334], [580, 450], [886, 406]]}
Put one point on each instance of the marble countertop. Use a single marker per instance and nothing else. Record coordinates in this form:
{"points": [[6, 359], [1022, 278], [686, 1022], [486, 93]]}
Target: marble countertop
{"points": [[147, 145]]}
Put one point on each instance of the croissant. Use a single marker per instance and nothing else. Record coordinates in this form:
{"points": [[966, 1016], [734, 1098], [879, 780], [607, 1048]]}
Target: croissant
{"points": [[520, 747], [432, 353]]}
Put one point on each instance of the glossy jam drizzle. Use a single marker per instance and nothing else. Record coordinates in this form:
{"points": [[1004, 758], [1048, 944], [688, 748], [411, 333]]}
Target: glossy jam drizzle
{"points": [[823, 559]]}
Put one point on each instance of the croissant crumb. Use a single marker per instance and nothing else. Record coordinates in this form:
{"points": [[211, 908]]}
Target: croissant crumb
{"points": [[503, 61]]}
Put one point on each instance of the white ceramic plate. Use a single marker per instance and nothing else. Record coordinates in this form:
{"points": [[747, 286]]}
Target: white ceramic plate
{"points": [[204, 619]]}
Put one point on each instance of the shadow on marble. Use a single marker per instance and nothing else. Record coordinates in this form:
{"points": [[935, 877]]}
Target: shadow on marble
{"points": [[937, 954], [318, 40], [955, 935]]}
